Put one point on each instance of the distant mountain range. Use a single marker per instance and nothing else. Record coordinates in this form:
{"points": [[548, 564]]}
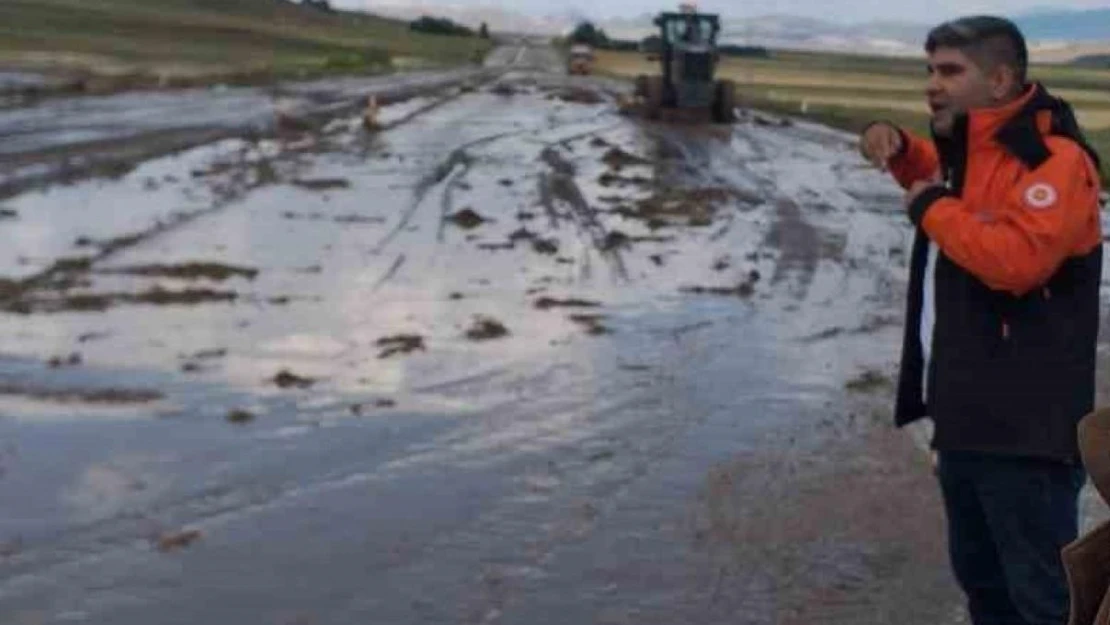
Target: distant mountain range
{"points": [[1073, 26], [1048, 29]]}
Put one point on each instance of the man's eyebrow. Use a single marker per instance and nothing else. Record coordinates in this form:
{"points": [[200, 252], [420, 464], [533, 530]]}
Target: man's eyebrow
{"points": [[947, 67]]}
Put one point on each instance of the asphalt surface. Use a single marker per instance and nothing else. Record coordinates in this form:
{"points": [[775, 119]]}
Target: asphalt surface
{"points": [[516, 359]]}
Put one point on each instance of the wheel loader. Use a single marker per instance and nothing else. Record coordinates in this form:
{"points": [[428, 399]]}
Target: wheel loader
{"points": [[686, 88]]}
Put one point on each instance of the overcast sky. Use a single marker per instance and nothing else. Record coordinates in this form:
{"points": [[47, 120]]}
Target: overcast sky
{"points": [[833, 10]]}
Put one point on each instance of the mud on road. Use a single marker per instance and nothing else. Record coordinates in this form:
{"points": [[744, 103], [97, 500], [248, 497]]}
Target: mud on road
{"points": [[518, 359]]}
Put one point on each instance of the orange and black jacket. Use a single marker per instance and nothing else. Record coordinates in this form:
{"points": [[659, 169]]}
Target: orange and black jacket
{"points": [[1008, 259]]}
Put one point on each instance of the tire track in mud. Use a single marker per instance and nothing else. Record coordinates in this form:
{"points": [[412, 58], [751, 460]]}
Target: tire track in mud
{"points": [[696, 164], [439, 103], [13, 290], [558, 185], [112, 157], [566, 141], [801, 244], [64, 269], [391, 273], [447, 200], [460, 157], [813, 246], [460, 163], [227, 196]]}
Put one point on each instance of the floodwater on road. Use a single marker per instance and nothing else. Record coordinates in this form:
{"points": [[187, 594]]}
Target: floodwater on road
{"points": [[12, 80], [45, 139], [516, 359]]}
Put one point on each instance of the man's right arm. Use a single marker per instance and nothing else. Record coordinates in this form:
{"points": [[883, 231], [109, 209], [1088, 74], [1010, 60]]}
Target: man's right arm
{"points": [[915, 159]]}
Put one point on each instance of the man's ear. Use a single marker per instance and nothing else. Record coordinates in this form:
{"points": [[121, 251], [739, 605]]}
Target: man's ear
{"points": [[1003, 82]]}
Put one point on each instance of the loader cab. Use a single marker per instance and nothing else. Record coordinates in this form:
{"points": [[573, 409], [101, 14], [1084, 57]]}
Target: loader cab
{"points": [[691, 30], [689, 56]]}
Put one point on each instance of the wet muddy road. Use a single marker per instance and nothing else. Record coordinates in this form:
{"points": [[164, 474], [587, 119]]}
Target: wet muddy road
{"points": [[516, 359], [44, 139]]}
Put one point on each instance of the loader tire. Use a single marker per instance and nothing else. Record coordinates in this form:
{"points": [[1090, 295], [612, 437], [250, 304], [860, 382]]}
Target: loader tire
{"points": [[724, 102], [653, 98]]}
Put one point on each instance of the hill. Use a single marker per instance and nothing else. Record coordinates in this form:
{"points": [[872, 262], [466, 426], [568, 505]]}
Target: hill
{"points": [[196, 40]]}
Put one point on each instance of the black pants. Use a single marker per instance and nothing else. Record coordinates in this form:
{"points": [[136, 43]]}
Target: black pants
{"points": [[1008, 519]]}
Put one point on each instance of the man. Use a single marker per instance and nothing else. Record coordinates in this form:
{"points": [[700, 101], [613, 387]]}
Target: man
{"points": [[1002, 317]]}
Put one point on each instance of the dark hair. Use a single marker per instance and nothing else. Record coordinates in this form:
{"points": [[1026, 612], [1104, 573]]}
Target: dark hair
{"points": [[988, 40]]}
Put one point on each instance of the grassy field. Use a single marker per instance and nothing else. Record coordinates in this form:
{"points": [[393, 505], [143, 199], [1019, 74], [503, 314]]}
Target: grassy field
{"points": [[199, 39], [848, 91]]}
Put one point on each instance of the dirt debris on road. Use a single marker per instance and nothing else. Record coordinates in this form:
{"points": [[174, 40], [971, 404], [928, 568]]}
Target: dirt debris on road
{"points": [[592, 324], [486, 328], [697, 206], [176, 541], [187, 271], [467, 219], [286, 379], [73, 360], [745, 289], [869, 381], [240, 417], [93, 336], [610, 179], [27, 304], [742, 290], [547, 247], [400, 344], [522, 234], [70, 395], [618, 159], [547, 303], [615, 240], [322, 184]]}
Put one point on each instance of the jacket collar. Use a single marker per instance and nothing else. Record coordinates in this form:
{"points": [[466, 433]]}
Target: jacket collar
{"points": [[984, 124], [1018, 127]]}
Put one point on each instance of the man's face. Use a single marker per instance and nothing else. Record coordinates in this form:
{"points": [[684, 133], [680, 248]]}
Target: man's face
{"points": [[956, 84]]}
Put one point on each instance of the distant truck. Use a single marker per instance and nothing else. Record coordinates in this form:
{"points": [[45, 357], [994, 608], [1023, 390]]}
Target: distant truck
{"points": [[580, 61]]}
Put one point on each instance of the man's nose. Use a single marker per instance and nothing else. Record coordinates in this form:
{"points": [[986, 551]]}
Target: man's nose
{"points": [[932, 85]]}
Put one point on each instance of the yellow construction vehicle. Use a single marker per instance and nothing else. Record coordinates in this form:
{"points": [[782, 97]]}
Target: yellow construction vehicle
{"points": [[580, 60]]}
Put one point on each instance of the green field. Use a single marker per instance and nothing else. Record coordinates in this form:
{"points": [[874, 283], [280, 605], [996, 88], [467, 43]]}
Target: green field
{"points": [[203, 39], [847, 91]]}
